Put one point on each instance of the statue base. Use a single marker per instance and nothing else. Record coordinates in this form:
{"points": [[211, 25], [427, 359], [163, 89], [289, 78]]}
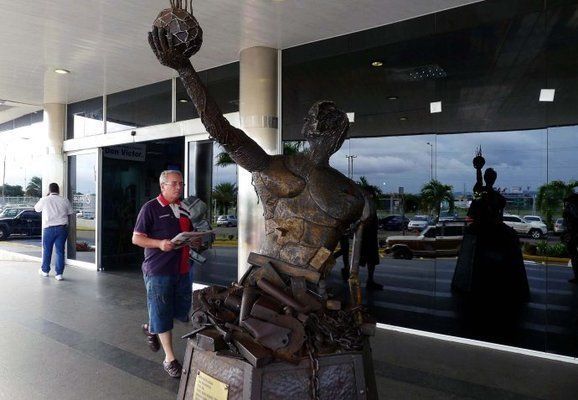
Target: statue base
{"points": [[207, 375]]}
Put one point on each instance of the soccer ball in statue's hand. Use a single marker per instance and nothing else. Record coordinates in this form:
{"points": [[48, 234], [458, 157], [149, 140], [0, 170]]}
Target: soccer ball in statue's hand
{"points": [[186, 33]]}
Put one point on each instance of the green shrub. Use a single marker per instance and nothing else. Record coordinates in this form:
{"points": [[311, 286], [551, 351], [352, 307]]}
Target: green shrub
{"points": [[551, 250]]}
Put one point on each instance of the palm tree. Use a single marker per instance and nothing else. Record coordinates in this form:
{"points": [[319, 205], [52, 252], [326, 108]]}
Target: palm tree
{"points": [[366, 185], [289, 148], [551, 196], [434, 193], [225, 195], [224, 159], [34, 187]]}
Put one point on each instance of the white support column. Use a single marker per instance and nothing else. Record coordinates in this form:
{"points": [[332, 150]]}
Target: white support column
{"points": [[54, 127], [258, 115]]}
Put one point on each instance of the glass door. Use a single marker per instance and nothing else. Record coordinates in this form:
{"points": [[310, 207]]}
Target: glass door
{"points": [[82, 193]]}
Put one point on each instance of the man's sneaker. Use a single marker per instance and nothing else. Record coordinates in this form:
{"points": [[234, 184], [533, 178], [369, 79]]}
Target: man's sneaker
{"points": [[58, 277], [152, 338], [42, 273], [173, 368]]}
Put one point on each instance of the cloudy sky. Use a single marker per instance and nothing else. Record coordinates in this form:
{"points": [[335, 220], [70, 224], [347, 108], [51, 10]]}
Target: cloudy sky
{"points": [[21, 154], [522, 159]]}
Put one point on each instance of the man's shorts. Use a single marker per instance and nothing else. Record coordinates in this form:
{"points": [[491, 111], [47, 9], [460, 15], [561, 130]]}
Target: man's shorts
{"points": [[168, 297]]}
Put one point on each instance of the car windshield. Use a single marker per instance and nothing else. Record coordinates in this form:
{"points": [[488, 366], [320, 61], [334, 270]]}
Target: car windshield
{"points": [[536, 219], [9, 213], [419, 218], [560, 221]]}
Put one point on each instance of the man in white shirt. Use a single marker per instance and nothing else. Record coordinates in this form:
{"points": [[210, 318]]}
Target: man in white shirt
{"points": [[55, 210]]}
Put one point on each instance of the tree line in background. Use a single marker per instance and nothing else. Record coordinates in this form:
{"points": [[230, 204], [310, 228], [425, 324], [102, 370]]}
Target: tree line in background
{"points": [[33, 189]]}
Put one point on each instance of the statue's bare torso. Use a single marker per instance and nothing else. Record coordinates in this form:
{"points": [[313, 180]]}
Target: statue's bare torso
{"points": [[306, 208]]}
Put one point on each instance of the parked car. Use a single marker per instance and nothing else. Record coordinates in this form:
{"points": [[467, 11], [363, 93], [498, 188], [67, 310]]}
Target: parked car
{"points": [[419, 222], [393, 223], [85, 214], [535, 230], [434, 241], [226, 220], [533, 218], [559, 226], [446, 216], [20, 221]]}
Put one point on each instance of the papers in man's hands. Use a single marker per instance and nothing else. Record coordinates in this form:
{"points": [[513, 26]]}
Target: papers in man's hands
{"points": [[187, 238]]}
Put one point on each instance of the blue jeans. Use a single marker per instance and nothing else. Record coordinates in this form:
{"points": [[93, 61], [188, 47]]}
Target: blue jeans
{"points": [[168, 297], [54, 236]]}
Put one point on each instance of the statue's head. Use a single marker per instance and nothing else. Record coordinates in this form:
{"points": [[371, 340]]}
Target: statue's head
{"points": [[490, 176], [325, 129]]}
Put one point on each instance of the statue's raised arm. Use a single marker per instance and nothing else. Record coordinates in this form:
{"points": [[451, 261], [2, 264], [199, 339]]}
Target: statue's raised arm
{"points": [[173, 44]]}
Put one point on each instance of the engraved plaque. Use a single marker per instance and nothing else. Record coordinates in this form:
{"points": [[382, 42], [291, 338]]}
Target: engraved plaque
{"points": [[208, 388]]}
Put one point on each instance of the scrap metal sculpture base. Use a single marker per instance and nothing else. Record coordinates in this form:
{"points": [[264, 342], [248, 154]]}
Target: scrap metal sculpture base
{"points": [[341, 376]]}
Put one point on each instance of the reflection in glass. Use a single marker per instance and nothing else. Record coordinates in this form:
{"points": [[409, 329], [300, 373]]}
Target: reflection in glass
{"points": [[85, 118], [210, 167], [143, 106], [562, 295], [82, 195]]}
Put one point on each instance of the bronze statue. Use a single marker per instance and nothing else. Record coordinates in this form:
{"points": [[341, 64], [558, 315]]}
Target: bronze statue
{"points": [[307, 204], [273, 312]]}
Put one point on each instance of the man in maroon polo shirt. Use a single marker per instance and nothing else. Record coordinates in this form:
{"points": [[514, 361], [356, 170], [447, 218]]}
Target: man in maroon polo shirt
{"points": [[165, 269]]}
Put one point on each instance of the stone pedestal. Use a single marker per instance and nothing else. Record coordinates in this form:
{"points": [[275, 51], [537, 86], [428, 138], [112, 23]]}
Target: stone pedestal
{"points": [[342, 376]]}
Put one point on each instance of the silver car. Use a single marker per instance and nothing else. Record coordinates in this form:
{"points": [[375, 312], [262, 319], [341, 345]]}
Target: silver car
{"points": [[535, 230], [559, 226], [419, 222]]}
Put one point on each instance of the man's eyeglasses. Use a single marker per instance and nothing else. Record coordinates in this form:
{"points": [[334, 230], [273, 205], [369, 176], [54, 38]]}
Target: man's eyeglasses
{"points": [[174, 184]]}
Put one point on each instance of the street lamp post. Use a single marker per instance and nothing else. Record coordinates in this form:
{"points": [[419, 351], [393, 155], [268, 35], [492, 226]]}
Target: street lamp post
{"points": [[430, 160], [350, 165]]}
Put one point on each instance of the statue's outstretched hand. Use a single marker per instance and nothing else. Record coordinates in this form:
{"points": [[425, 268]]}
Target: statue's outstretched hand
{"points": [[161, 42]]}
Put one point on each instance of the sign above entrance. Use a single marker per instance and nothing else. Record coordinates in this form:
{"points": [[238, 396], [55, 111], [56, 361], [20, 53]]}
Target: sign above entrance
{"points": [[131, 152]]}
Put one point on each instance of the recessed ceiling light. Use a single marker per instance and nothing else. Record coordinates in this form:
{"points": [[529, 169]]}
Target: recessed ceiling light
{"points": [[392, 97], [62, 71], [183, 100], [376, 64], [547, 95], [435, 107], [403, 118], [351, 117]]}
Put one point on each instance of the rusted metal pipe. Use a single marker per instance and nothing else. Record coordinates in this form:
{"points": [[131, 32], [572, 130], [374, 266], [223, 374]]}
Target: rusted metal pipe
{"points": [[280, 295]]}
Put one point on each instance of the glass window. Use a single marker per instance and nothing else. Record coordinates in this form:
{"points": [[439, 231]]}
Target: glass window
{"points": [[485, 65], [213, 178], [223, 84], [85, 118], [82, 194], [143, 106]]}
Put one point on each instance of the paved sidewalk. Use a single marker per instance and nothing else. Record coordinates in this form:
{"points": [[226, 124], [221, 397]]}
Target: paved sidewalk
{"points": [[81, 338]]}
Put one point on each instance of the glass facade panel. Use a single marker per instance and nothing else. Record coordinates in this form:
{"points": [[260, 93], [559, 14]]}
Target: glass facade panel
{"points": [[82, 194], [560, 293], [213, 178], [85, 118], [143, 106], [21, 153], [223, 84], [487, 65]]}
